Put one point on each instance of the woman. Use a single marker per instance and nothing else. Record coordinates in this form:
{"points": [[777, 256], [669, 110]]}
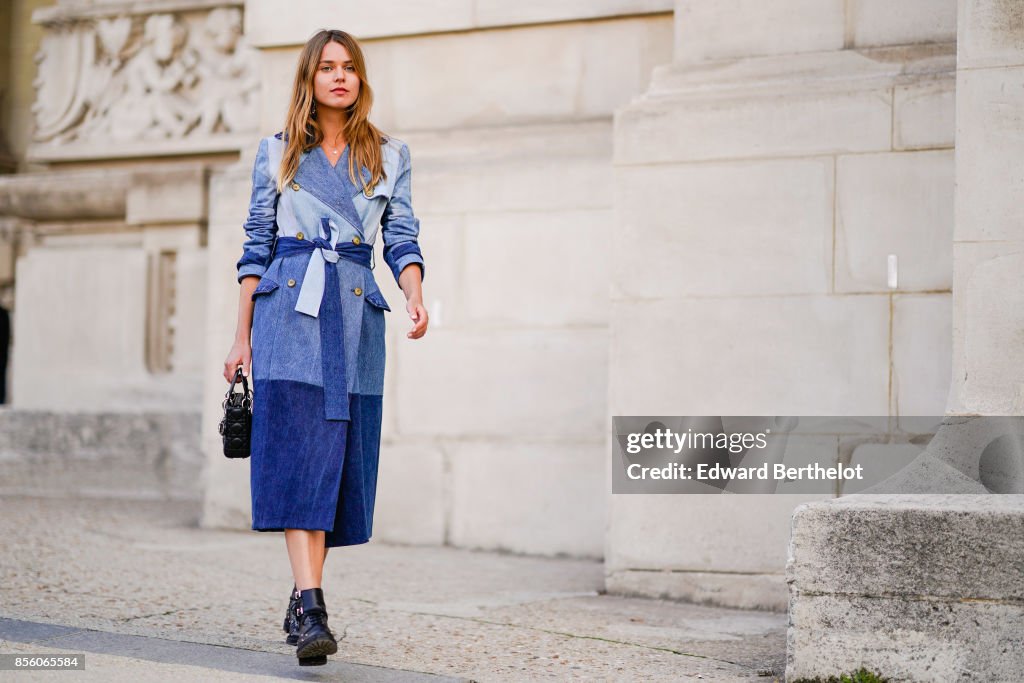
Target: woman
{"points": [[321, 189]]}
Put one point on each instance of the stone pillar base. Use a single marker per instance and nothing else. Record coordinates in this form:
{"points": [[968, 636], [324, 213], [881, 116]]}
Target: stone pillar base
{"points": [[914, 587]]}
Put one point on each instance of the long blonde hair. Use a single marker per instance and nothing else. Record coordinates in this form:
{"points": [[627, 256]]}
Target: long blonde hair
{"points": [[303, 131]]}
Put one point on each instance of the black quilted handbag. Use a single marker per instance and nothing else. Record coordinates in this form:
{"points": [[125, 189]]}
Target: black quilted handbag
{"points": [[236, 427]]}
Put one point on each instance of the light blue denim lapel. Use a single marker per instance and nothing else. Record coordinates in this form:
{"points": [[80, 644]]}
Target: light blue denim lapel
{"points": [[366, 179], [342, 170], [316, 176]]}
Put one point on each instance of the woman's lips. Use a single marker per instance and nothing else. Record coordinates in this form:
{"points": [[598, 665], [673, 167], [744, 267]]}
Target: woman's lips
{"points": [[339, 91]]}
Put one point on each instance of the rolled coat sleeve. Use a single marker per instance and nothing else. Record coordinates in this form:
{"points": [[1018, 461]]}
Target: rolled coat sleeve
{"points": [[399, 225], [261, 225]]}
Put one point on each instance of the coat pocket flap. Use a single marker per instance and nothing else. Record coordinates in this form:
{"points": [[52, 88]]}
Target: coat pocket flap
{"points": [[377, 299], [265, 286]]}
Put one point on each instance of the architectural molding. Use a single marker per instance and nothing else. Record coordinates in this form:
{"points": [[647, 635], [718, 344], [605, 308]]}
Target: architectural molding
{"points": [[134, 79]]}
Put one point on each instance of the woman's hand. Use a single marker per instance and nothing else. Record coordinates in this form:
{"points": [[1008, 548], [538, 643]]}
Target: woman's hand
{"points": [[411, 282], [419, 316], [240, 354]]}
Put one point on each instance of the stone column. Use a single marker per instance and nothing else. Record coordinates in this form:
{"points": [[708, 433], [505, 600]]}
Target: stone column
{"points": [[988, 242], [762, 182]]}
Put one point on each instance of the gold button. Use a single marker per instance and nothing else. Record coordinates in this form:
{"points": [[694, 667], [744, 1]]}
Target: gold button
{"points": [[358, 291], [295, 186], [355, 240], [291, 282], [300, 235]]}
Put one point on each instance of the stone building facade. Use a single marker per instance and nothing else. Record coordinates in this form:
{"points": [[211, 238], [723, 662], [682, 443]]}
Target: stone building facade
{"points": [[802, 207]]}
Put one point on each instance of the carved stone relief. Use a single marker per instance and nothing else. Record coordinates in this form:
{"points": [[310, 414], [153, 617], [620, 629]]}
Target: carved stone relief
{"points": [[136, 78]]}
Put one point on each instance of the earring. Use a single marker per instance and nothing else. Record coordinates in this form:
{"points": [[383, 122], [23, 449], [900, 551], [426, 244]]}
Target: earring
{"points": [[314, 109]]}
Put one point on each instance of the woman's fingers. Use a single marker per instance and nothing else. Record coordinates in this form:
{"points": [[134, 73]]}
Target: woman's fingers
{"points": [[419, 315], [235, 359]]}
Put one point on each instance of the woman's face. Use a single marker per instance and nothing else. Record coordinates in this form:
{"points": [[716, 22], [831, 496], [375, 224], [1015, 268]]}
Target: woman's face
{"points": [[336, 83]]}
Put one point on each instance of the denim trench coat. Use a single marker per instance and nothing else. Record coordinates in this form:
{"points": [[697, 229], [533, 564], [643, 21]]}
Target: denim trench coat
{"points": [[318, 335]]}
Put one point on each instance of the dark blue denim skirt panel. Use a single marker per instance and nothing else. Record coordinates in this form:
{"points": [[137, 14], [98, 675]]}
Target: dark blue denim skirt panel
{"points": [[307, 471]]}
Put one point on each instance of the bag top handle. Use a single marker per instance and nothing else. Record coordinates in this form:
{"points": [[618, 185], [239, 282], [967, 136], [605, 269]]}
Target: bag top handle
{"points": [[245, 382]]}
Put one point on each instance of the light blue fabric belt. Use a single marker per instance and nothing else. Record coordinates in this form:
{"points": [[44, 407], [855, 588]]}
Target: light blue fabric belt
{"points": [[321, 293]]}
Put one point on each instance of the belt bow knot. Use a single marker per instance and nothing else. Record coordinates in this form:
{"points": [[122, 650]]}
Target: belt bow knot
{"points": [[321, 288]]}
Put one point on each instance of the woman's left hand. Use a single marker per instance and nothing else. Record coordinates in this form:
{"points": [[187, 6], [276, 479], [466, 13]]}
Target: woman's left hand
{"points": [[419, 316]]}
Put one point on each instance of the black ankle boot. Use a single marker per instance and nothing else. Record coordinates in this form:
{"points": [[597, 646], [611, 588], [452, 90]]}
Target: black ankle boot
{"points": [[315, 639], [291, 617]]}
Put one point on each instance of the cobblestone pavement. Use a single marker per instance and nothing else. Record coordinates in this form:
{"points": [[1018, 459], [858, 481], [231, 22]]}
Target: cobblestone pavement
{"points": [[147, 595]]}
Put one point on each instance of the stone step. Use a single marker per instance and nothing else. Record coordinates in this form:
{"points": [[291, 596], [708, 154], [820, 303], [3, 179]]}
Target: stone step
{"points": [[117, 455], [916, 587]]}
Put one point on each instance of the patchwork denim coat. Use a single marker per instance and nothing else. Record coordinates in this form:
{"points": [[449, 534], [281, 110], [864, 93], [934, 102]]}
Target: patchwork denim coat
{"points": [[318, 335]]}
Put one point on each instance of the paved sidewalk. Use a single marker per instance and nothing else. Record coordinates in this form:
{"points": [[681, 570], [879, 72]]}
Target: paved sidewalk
{"points": [[148, 596]]}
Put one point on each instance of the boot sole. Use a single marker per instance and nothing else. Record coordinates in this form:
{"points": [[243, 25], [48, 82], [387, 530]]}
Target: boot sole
{"points": [[317, 648], [313, 662]]}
